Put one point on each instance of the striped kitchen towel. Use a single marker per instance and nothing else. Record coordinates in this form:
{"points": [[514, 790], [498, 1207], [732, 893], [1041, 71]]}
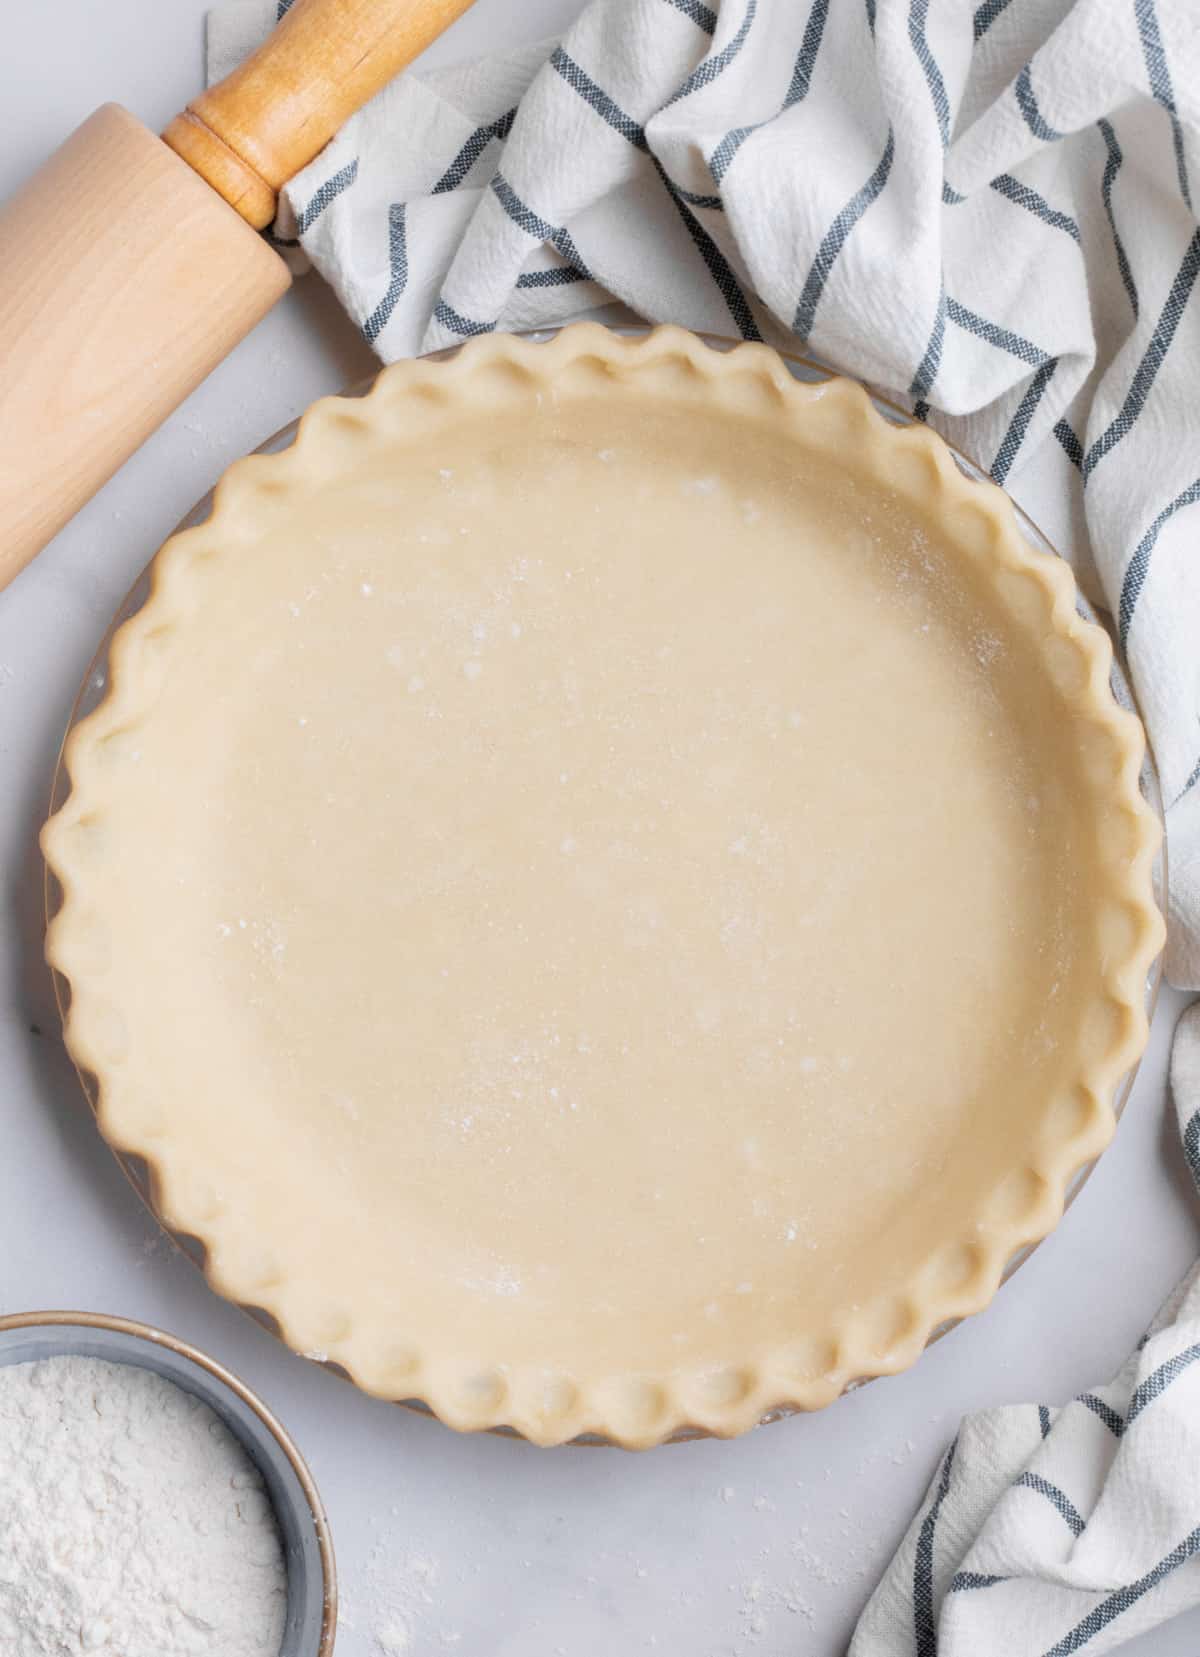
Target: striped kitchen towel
{"points": [[987, 212]]}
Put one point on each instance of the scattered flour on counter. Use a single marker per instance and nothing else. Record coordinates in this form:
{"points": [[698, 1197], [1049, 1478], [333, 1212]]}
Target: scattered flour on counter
{"points": [[401, 1602], [759, 1601], [778, 1594], [132, 1524]]}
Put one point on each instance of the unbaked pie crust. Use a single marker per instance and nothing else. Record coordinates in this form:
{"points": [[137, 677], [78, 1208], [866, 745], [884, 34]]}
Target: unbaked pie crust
{"points": [[608, 886]]}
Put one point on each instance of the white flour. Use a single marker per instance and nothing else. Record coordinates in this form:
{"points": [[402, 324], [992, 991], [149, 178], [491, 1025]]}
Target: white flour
{"points": [[132, 1523]]}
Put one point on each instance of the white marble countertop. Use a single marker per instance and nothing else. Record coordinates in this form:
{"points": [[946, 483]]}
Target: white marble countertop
{"points": [[478, 1545]]}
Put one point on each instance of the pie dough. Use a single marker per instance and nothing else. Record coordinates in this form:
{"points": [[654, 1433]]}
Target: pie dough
{"points": [[608, 886]]}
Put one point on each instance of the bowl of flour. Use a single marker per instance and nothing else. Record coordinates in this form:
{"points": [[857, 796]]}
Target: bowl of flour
{"points": [[150, 1504]]}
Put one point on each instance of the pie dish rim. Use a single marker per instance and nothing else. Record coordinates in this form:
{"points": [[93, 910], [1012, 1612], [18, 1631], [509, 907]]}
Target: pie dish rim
{"points": [[671, 1414]]}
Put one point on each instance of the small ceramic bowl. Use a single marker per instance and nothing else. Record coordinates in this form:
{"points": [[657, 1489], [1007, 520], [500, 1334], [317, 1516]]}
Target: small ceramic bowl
{"points": [[308, 1550]]}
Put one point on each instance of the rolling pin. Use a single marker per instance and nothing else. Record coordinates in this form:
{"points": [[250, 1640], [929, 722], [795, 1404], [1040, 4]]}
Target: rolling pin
{"points": [[133, 263]]}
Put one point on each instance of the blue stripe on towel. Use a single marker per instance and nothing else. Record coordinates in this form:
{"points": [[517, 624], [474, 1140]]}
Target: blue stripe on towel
{"points": [[541, 230], [1139, 565], [1023, 196], [1002, 338], [1160, 84], [1056, 1497], [1104, 1412], [557, 277], [1191, 1134], [924, 1627], [711, 203], [1017, 346], [806, 57], [1152, 358], [519, 213], [834, 240], [1028, 106], [1019, 424], [918, 13], [464, 325], [329, 191], [707, 71], [1123, 1599], [1157, 1382], [398, 280], [702, 16], [718, 265], [582, 83], [1072, 447], [470, 152], [987, 14], [927, 370], [721, 157], [1112, 166]]}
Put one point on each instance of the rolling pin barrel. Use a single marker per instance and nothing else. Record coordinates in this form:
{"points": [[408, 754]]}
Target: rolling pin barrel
{"points": [[131, 267], [126, 281]]}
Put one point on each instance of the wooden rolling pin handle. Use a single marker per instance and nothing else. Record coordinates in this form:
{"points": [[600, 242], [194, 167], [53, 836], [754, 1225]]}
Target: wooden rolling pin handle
{"points": [[272, 115], [126, 278]]}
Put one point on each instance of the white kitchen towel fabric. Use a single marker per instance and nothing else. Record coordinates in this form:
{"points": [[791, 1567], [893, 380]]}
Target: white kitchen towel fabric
{"points": [[1052, 1531], [987, 212]]}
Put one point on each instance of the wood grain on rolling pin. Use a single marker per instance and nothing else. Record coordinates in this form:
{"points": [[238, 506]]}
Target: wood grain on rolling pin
{"points": [[126, 279]]}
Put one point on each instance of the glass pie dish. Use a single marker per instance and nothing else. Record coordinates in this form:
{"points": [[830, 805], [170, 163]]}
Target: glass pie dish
{"points": [[753, 401]]}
